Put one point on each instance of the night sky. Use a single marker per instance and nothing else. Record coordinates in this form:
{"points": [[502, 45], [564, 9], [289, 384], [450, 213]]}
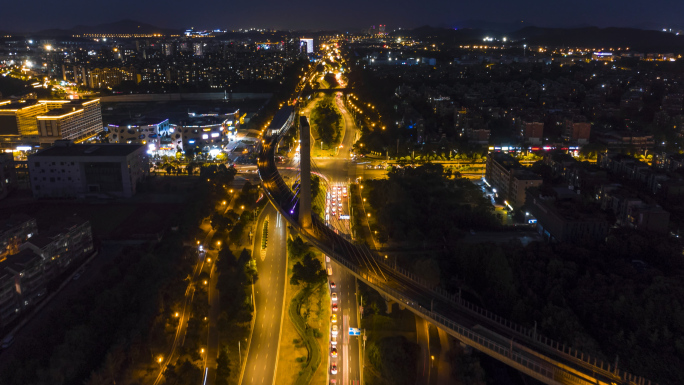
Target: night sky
{"points": [[18, 16]]}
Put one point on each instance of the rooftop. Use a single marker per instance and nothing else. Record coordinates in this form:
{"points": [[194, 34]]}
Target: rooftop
{"points": [[281, 117], [522, 174], [61, 111], [17, 105], [67, 148], [139, 122], [504, 160]]}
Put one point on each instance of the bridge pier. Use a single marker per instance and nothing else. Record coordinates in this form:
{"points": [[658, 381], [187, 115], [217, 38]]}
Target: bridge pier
{"points": [[389, 304], [305, 173]]}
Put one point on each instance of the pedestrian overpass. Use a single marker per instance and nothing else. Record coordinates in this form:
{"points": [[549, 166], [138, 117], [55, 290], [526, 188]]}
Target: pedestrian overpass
{"points": [[522, 348]]}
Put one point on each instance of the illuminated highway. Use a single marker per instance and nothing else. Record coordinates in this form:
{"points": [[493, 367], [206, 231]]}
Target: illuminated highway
{"points": [[269, 297]]}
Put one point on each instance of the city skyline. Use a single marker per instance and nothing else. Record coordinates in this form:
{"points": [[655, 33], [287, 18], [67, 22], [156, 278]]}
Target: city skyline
{"points": [[309, 16]]}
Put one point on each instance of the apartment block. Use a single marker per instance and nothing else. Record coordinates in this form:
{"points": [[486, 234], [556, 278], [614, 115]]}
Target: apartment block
{"points": [[509, 178]]}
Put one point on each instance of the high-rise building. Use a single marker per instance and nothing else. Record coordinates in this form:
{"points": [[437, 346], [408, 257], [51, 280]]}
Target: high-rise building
{"points": [[198, 49], [77, 121], [169, 49], [110, 77], [307, 45]]}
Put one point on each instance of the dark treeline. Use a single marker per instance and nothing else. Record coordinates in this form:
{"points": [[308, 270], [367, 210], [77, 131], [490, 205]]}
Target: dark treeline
{"points": [[426, 204], [592, 297]]}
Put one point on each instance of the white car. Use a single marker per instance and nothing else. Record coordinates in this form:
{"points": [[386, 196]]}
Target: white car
{"points": [[334, 330], [334, 297]]}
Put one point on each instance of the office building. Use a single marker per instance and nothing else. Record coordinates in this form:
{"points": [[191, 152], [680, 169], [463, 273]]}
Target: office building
{"points": [[69, 170], [77, 121], [307, 45], [509, 178]]}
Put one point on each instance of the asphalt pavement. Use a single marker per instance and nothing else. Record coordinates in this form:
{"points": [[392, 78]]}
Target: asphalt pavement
{"points": [[269, 293], [348, 362]]}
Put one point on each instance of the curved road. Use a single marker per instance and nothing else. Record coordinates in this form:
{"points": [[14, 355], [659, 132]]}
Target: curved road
{"points": [[269, 296]]}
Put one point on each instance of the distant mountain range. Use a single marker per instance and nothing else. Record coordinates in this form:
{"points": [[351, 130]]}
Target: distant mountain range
{"points": [[590, 37], [119, 27]]}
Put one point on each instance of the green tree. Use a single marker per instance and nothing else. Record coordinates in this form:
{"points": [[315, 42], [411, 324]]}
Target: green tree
{"points": [[326, 119], [297, 247], [309, 271], [223, 367]]}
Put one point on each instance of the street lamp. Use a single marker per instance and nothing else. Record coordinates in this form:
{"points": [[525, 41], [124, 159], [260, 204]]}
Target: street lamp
{"points": [[368, 215], [159, 360], [176, 315]]}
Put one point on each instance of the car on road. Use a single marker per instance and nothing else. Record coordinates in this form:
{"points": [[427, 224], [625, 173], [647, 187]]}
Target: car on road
{"points": [[334, 307], [333, 368], [333, 352], [76, 276], [334, 297], [332, 283], [334, 318], [333, 382], [334, 330], [333, 340]]}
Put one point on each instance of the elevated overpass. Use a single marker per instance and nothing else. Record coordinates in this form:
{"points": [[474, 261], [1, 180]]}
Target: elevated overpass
{"points": [[521, 348]]}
